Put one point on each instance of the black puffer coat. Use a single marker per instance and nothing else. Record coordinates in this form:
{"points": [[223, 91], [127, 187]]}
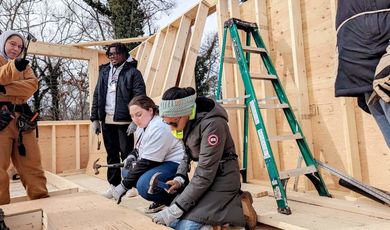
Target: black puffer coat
{"points": [[130, 84], [361, 43]]}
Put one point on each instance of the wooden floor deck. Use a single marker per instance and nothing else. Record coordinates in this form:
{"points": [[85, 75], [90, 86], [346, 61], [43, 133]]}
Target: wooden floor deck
{"points": [[87, 209]]}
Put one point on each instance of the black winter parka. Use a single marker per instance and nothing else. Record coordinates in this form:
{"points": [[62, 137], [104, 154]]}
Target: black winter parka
{"points": [[130, 84]]}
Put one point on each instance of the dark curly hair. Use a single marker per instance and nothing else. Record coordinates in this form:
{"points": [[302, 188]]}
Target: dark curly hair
{"points": [[120, 49]]}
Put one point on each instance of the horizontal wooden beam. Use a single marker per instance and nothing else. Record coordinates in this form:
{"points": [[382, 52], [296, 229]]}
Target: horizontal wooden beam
{"points": [[108, 42], [58, 50], [57, 123]]}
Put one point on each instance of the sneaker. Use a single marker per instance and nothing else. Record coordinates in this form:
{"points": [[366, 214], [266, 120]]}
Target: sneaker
{"points": [[154, 207], [132, 193], [249, 212], [108, 194]]}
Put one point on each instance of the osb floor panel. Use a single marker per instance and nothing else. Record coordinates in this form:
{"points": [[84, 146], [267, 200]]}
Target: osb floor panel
{"points": [[17, 189], [309, 210], [83, 210], [91, 210]]}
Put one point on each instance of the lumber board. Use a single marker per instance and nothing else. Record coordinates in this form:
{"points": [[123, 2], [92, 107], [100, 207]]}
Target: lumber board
{"points": [[140, 51], [162, 67], [187, 78], [151, 67], [177, 54], [143, 60], [28, 220], [57, 50], [109, 42], [228, 79], [83, 210]]}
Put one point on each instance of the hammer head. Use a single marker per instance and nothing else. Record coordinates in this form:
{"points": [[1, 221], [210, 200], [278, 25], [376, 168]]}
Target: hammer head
{"points": [[96, 166], [153, 183]]}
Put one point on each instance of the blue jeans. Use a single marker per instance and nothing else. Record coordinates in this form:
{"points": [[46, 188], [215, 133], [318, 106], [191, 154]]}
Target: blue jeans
{"points": [[182, 224], [168, 171], [381, 112]]}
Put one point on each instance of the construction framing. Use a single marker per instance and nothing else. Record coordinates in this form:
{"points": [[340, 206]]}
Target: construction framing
{"points": [[298, 39], [300, 36]]}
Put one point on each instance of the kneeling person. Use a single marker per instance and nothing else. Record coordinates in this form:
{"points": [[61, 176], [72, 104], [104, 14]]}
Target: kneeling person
{"points": [[158, 150]]}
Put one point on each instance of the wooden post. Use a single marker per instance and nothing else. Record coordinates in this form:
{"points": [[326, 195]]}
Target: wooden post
{"points": [[162, 67], [151, 67], [77, 140], [349, 123], [187, 78], [177, 53], [53, 150]]}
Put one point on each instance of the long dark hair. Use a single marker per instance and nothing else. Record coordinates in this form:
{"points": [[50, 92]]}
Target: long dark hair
{"points": [[174, 93], [144, 102]]}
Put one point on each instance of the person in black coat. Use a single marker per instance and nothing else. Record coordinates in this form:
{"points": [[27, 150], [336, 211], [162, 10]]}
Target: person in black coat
{"points": [[363, 33], [119, 81]]}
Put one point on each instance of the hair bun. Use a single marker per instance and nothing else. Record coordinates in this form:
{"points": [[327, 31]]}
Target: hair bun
{"points": [[190, 91]]}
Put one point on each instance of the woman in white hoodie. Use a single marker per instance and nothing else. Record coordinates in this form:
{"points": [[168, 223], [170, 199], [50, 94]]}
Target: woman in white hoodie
{"points": [[158, 152]]}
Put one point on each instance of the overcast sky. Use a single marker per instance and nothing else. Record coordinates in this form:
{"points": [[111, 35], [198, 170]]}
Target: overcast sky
{"points": [[183, 6]]}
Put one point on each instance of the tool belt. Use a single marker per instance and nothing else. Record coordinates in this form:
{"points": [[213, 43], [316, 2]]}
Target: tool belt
{"points": [[26, 122]]}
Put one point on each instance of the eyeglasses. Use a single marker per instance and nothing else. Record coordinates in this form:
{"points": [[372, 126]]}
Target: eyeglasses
{"points": [[13, 44]]}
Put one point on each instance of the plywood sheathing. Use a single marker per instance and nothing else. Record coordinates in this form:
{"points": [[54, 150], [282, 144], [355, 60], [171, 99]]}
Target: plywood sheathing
{"points": [[355, 147], [84, 210]]}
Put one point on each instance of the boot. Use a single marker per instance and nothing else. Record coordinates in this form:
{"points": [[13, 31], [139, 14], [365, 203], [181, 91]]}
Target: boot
{"points": [[2, 223], [249, 212]]}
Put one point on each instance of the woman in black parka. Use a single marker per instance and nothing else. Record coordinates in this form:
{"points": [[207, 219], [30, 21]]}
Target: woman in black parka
{"points": [[213, 196]]}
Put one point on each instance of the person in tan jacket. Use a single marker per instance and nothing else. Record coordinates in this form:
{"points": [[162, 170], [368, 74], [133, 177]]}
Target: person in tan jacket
{"points": [[17, 84]]}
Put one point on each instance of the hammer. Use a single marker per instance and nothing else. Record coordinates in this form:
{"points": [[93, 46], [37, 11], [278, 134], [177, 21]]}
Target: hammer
{"points": [[156, 183], [32, 38], [96, 166]]}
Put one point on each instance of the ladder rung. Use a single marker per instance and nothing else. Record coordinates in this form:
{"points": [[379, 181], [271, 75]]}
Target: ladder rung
{"points": [[233, 99], [296, 172], [233, 106], [286, 137], [259, 76], [230, 60], [276, 106], [253, 49]]}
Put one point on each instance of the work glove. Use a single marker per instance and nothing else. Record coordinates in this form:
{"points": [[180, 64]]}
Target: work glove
{"points": [[96, 127], [131, 129], [168, 215], [118, 192], [128, 162], [21, 64]]}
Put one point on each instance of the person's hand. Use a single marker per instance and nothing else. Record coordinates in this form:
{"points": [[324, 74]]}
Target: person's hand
{"points": [[96, 127], [128, 162], [131, 129], [168, 215], [175, 185], [21, 64]]}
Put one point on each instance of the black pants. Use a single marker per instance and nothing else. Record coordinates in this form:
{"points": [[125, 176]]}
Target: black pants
{"points": [[118, 146]]}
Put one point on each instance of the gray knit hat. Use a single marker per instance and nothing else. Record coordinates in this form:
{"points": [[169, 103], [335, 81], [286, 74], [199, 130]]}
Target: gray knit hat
{"points": [[177, 108]]}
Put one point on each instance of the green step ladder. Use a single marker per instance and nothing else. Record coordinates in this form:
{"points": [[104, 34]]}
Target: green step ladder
{"points": [[242, 57]]}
